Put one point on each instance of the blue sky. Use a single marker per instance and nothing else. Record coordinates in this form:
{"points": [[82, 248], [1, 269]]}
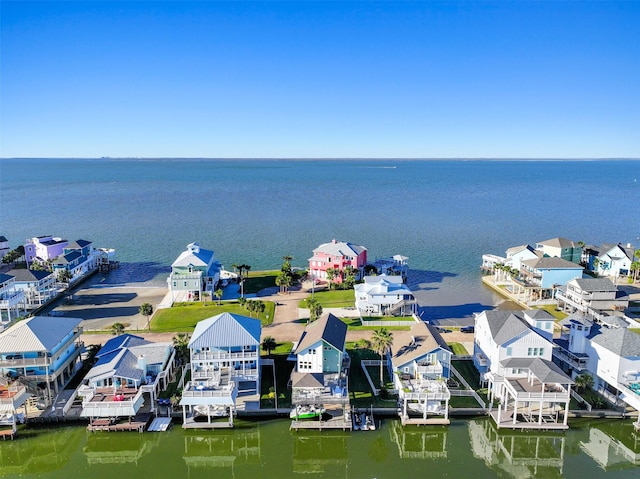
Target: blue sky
{"points": [[320, 80]]}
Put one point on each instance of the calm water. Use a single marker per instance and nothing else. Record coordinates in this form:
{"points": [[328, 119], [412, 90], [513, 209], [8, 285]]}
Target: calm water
{"points": [[442, 214], [465, 449]]}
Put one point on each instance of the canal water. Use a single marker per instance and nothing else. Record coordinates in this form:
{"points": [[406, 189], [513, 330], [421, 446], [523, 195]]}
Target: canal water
{"points": [[268, 449]]}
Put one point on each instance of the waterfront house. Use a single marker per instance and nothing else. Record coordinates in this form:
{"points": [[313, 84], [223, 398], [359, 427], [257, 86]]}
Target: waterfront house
{"points": [[42, 249], [195, 271], [12, 300], [396, 265], [592, 297], [319, 380], [225, 363], [4, 246], [421, 363], [513, 354], [77, 258], [39, 286], [384, 296], [337, 255], [614, 260], [539, 278], [513, 258], [608, 350], [44, 352], [561, 248], [13, 396], [126, 368]]}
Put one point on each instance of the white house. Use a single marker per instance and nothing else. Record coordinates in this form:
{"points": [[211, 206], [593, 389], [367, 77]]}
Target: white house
{"points": [[421, 362], [38, 286], [513, 352], [12, 300], [608, 350], [225, 360], [384, 296], [126, 368], [614, 260], [517, 254], [592, 297]]}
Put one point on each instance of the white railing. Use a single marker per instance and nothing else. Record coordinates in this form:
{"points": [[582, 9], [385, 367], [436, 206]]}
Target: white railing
{"points": [[88, 405], [191, 391], [212, 356]]}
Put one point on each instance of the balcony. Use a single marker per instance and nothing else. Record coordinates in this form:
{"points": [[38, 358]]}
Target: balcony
{"points": [[224, 356]]}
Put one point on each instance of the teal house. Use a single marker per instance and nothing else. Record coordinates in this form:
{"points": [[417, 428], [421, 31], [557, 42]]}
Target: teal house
{"points": [[194, 272]]}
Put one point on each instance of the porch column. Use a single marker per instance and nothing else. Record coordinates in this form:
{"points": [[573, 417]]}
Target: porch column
{"points": [[540, 413], [566, 413], [446, 409], [184, 414], [515, 410], [499, 414]]}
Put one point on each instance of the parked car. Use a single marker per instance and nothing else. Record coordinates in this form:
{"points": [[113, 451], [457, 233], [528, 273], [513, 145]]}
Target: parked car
{"points": [[467, 329]]}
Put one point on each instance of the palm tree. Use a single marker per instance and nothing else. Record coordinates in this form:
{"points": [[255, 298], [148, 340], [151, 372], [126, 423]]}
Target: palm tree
{"points": [[584, 381], [242, 302], [315, 309], [331, 275], [269, 344], [181, 345], [218, 294], [117, 329], [146, 310], [283, 280], [65, 276], [205, 295], [382, 340]]}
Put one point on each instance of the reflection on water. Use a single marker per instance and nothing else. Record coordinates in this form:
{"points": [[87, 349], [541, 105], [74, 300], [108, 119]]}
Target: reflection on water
{"points": [[220, 451], [519, 454], [613, 448], [101, 448], [256, 450], [315, 452], [39, 451], [419, 442]]}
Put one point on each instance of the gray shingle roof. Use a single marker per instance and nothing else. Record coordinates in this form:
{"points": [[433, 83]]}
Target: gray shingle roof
{"points": [[621, 341], [225, 330], [328, 328], [505, 325], [548, 262], [546, 371], [559, 243], [28, 275], [307, 380], [40, 333], [595, 284]]}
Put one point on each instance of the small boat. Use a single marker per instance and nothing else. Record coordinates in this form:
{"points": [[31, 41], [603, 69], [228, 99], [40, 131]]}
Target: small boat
{"points": [[306, 412]]}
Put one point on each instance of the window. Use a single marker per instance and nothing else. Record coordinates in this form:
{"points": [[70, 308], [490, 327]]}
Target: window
{"points": [[529, 351], [541, 351], [509, 351], [547, 325], [535, 351]]}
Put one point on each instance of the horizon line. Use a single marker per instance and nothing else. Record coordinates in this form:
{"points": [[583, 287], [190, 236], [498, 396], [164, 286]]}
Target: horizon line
{"points": [[336, 158]]}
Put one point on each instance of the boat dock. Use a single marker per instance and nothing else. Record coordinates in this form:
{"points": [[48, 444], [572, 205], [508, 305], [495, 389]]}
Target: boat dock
{"points": [[332, 419], [138, 423]]}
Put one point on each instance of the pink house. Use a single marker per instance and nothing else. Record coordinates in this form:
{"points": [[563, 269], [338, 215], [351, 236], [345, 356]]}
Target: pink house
{"points": [[44, 248], [337, 255]]}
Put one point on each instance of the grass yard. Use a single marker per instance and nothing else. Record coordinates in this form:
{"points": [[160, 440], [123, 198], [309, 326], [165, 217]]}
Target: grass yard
{"points": [[283, 374], [360, 391], [184, 317], [463, 402], [259, 280], [468, 371], [458, 349], [339, 298], [551, 309]]}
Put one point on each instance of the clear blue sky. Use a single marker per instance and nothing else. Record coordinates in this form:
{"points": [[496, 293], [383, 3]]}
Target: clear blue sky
{"points": [[314, 80]]}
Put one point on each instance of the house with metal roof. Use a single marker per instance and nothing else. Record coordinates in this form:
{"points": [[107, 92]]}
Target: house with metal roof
{"points": [[12, 300], [384, 296], [608, 350], [44, 352], [337, 255], [513, 354], [127, 367], [225, 363], [421, 363], [614, 260], [319, 380], [194, 272], [39, 286]]}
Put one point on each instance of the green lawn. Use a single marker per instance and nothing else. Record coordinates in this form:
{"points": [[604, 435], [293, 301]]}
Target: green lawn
{"points": [[468, 372], [360, 391], [551, 309], [259, 280], [184, 317], [463, 402], [283, 374], [458, 349], [339, 298]]}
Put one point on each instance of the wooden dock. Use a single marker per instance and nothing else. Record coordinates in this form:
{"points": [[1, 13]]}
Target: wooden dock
{"points": [[139, 423], [8, 433], [418, 421]]}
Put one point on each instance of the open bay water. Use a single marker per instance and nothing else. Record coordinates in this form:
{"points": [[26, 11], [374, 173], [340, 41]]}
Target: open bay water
{"points": [[442, 214]]}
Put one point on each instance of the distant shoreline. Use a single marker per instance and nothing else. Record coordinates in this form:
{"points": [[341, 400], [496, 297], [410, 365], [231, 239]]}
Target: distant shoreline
{"points": [[125, 158]]}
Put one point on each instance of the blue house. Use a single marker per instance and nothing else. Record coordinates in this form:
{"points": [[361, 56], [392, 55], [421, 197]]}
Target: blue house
{"points": [[43, 350]]}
